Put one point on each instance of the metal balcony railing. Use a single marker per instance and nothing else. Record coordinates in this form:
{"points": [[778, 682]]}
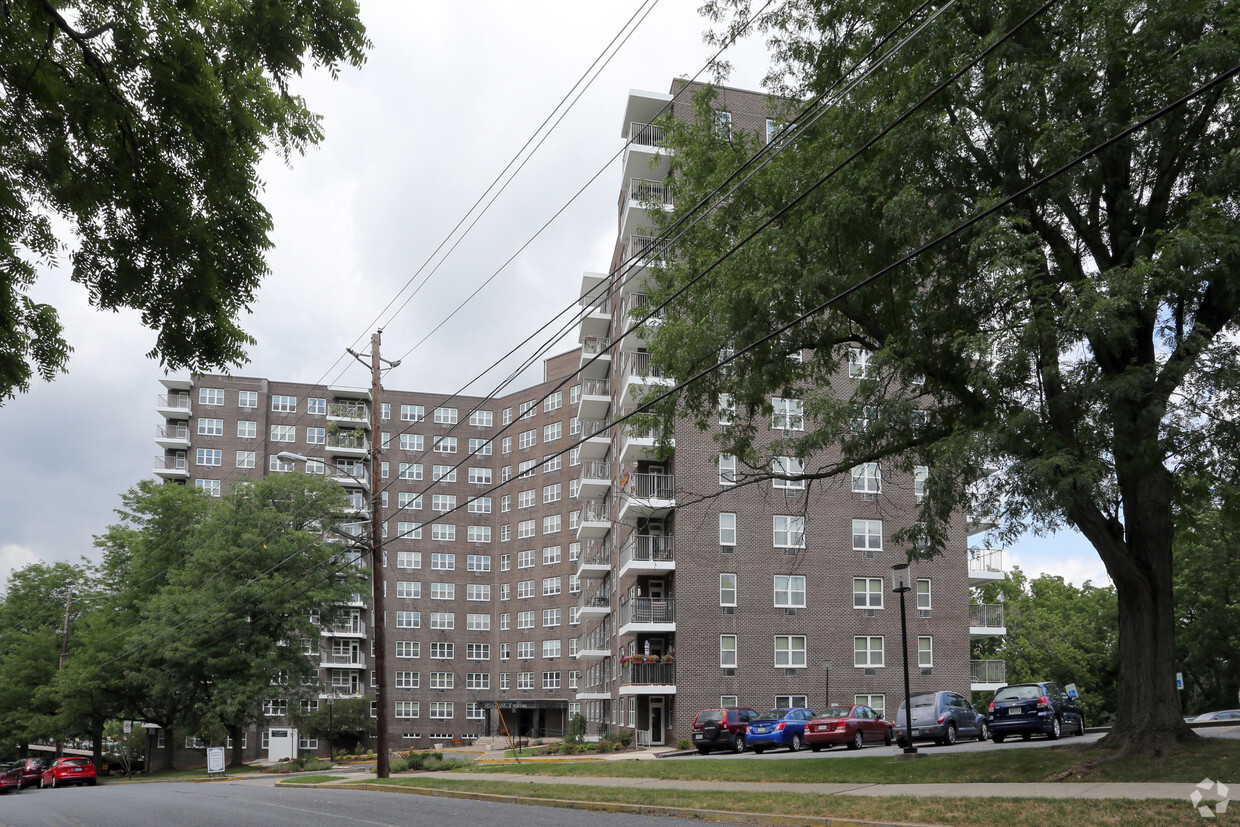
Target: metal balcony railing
{"points": [[986, 560], [648, 674], [986, 615], [647, 247], [596, 387], [651, 486], [648, 610], [348, 410], [173, 463], [637, 306], [347, 441], [596, 511], [355, 660], [174, 400], [597, 639], [596, 553], [595, 345], [171, 432], [646, 134], [644, 191], [636, 364], [596, 304], [595, 469], [648, 548], [595, 598], [593, 428], [988, 671]]}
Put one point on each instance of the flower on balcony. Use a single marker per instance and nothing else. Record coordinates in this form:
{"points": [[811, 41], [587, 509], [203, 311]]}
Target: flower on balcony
{"points": [[668, 658]]}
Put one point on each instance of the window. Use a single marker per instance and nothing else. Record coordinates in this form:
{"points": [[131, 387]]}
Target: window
{"points": [[790, 590], [284, 404], [441, 710], [727, 590], [445, 416], [727, 469], [552, 524], [439, 531], [210, 456], [408, 589], [483, 419], [247, 399], [505, 533], [478, 591], [867, 593], [443, 502], [210, 487], [552, 493], [525, 559], [275, 707], [791, 700], [878, 703], [477, 680], [525, 589], [316, 406], [727, 409], [405, 709], [245, 429], [525, 620], [385, 411], [439, 649], [551, 586], [551, 618], [923, 594], [858, 363], [526, 469], [789, 466], [443, 591], [723, 125], [553, 431], [925, 652], [727, 529], [525, 499], [867, 535], [445, 445], [789, 531], [480, 505], [411, 442], [505, 653], [245, 459], [316, 436], [867, 651], [478, 622], [478, 562], [551, 648], [551, 680], [406, 499], [482, 447], [443, 680], [210, 427], [409, 531], [525, 680], [408, 620], [920, 474], [443, 562], [867, 479], [525, 528], [410, 471], [790, 651], [528, 409], [211, 396], [551, 555], [788, 415], [506, 445], [527, 439], [283, 433], [727, 651], [525, 650], [408, 649], [412, 413], [407, 680], [554, 401], [408, 559]]}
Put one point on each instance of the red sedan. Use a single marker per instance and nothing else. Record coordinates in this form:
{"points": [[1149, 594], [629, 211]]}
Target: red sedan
{"points": [[65, 771], [10, 778], [851, 725]]}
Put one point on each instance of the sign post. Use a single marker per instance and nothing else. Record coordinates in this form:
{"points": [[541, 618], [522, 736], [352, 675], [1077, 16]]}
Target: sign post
{"points": [[1071, 690], [215, 760]]}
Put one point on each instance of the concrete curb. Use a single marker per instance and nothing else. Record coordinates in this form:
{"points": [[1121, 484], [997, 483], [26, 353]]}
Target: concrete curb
{"points": [[716, 816]]}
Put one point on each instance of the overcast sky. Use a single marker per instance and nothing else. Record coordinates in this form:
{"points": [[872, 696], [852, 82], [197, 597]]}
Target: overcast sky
{"points": [[450, 93]]}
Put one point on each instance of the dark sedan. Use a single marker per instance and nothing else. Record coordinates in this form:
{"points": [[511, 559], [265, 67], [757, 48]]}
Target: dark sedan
{"points": [[1026, 709]]}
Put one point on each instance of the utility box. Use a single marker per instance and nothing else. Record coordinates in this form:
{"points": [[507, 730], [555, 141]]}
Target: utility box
{"points": [[282, 744]]}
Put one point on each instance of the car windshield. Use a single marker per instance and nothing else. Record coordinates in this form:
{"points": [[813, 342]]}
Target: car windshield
{"points": [[1018, 693], [81, 762], [837, 712], [710, 715], [774, 714]]}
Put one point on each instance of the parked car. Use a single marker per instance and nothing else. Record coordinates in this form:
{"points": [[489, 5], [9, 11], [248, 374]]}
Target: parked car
{"points": [[64, 771], [783, 727], [1027, 708], [941, 717], [1221, 715], [10, 778], [31, 771], [722, 728], [851, 725]]}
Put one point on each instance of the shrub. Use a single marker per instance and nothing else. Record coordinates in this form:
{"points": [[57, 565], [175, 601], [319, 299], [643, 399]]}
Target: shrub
{"points": [[551, 749], [309, 762], [398, 765], [576, 729], [626, 737], [683, 744], [606, 746]]}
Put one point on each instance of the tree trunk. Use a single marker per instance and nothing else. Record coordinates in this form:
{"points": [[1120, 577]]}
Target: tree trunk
{"points": [[96, 751], [166, 761], [237, 759]]}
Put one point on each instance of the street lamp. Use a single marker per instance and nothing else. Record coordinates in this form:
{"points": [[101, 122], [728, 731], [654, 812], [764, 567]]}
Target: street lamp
{"points": [[900, 585], [826, 690]]}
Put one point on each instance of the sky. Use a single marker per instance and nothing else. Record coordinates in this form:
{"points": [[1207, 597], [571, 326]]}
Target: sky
{"points": [[449, 94]]}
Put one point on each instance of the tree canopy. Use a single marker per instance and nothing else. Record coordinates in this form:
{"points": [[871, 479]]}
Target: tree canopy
{"points": [[137, 126], [1081, 340]]}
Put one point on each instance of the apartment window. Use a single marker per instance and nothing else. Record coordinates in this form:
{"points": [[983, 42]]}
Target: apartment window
{"points": [[478, 622], [527, 439], [551, 618], [723, 125], [474, 711], [505, 653], [790, 591], [316, 436], [787, 466], [790, 651], [551, 648], [867, 479], [247, 399], [479, 562], [443, 591], [439, 531], [408, 649], [405, 709], [275, 707], [525, 499], [552, 524], [727, 590], [210, 427], [525, 528], [412, 413], [574, 584], [210, 456], [245, 428], [867, 593], [505, 621], [525, 559], [245, 459], [478, 592], [445, 416], [553, 431], [551, 493], [525, 589], [408, 559], [551, 586], [574, 552], [867, 535], [528, 409], [443, 502], [284, 404], [211, 396], [727, 651], [574, 615], [442, 680], [409, 589], [407, 680], [407, 499], [385, 411], [441, 650], [551, 680], [789, 531], [274, 463], [283, 433], [727, 409], [506, 445], [480, 505], [791, 700], [788, 415], [441, 710], [481, 447], [408, 620], [554, 401], [409, 531], [525, 650], [727, 529], [878, 703], [525, 620], [727, 469], [209, 487], [551, 555], [478, 680], [505, 533], [411, 442], [441, 561], [483, 419], [867, 651], [526, 469], [316, 405], [923, 594], [525, 680], [445, 445], [925, 652], [858, 363], [921, 473]]}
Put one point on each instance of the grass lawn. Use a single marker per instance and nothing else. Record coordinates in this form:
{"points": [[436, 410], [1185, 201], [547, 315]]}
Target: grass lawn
{"points": [[524, 752], [983, 812], [312, 779], [1215, 758]]}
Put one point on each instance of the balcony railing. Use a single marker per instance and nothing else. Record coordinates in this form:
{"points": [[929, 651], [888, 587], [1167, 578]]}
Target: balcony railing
{"points": [[646, 246], [596, 553], [171, 432], [646, 134], [589, 427], [348, 410], [596, 387], [637, 306], [597, 639], [648, 674], [986, 560], [651, 486], [596, 511], [174, 400], [354, 660], [346, 441], [647, 192], [986, 615], [595, 598], [595, 345], [595, 469], [637, 364], [171, 463], [988, 671], [648, 610], [648, 548]]}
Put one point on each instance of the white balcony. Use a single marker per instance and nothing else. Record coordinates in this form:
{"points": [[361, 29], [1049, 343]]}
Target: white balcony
{"points": [[594, 644], [345, 392], [349, 413], [174, 467], [985, 566], [595, 561], [595, 357], [648, 679], [640, 445], [594, 603], [353, 629], [595, 519], [596, 300], [595, 399], [347, 445], [596, 439], [646, 495], [638, 309], [647, 554], [640, 198], [645, 140], [173, 406], [986, 620], [348, 660], [595, 479], [637, 375], [173, 436], [987, 675], [645, 615]]}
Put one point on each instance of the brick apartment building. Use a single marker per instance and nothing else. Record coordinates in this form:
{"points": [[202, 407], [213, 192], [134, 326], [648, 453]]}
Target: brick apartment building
{"points": [[633, 587]]}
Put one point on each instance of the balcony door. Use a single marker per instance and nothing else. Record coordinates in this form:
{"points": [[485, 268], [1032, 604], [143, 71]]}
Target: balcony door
{"points": [[656, 721]]}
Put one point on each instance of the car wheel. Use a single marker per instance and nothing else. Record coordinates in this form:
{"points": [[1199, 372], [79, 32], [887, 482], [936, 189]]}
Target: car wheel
{"points": [[949, 740], [759, 750], [1056, 730], [1025, 736], [54, 784], [815, 748], [796, 744], [901, 743], [738, 745], [858, 740], [703, 750], [983, 732], [887, 737], [40, 783], [1080, 726], [90, 783], [997, 738]]}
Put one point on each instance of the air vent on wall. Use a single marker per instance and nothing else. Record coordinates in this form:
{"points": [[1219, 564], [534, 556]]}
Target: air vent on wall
{"points": [[790, 552], [923, 612], [791, 673], [871, 613], [790, 611], [729, 672], [729, 610], [929, 670], [869, 673], [727, 549], [869, 498], [868, 554]]}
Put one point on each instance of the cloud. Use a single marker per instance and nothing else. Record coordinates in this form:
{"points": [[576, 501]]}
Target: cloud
{"points": [[14, 557]]}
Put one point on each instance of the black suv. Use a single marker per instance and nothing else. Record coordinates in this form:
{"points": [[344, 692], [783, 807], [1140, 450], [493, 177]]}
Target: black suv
{"points": [[722, 728], [1025, 708]]}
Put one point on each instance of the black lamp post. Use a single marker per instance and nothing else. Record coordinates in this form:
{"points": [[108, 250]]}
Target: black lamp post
{"points": [[900, 585], [331, 731], [826, 689]]}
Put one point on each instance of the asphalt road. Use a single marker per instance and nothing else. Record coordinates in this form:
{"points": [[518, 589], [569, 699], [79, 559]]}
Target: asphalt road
{"points": [[228, 804]]}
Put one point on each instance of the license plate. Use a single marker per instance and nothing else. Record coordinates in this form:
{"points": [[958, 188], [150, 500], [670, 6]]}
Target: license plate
{"points": [[77, 769], [917, 732]]}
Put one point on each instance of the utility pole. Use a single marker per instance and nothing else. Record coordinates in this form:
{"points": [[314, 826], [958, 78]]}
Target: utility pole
{"points": [[376, 564], [64, 638]]}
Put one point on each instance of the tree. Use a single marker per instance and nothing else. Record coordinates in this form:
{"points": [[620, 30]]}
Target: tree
{"points": [[343, 724], [1081, 340], [140, 126]]}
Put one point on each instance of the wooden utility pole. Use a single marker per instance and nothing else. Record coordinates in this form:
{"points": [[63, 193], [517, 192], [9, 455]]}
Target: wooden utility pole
{"points": [[376, 564], [64, 633]]}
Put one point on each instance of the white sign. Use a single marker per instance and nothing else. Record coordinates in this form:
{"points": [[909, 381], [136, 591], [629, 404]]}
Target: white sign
{"points": [[1179, 680], [1071, 688], [215, 759], [127, 727]]}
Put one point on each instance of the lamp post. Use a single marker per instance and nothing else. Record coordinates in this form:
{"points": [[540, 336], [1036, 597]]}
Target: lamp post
{"points": [[900, 585], [826, 688], [331, 730]]}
